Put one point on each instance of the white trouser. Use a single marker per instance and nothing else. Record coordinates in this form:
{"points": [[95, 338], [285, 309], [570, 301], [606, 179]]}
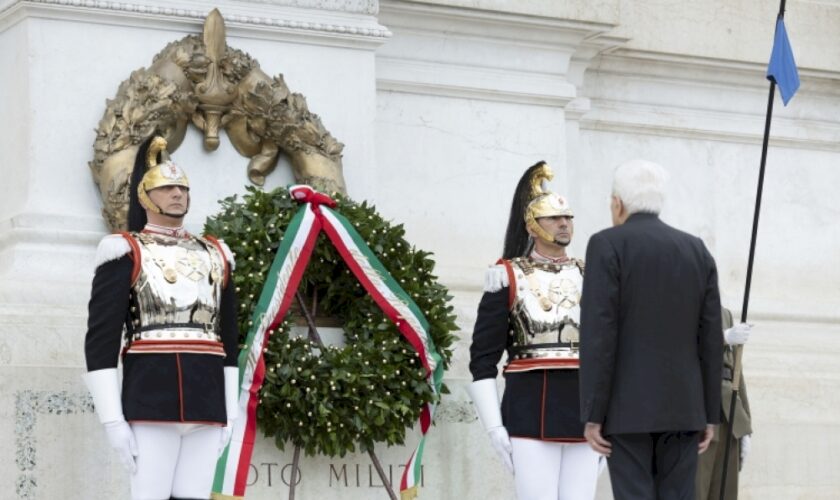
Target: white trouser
{"points": [[174, 460], [544, 470]]}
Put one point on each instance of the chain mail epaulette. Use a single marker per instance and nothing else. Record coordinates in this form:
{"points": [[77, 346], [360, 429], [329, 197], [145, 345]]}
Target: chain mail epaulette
{"points": [[226, 252], [227, 256]]}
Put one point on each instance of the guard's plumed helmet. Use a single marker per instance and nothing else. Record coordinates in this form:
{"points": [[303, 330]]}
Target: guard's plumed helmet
{"points": [[532, 200], [544, 203], [159, 174]]}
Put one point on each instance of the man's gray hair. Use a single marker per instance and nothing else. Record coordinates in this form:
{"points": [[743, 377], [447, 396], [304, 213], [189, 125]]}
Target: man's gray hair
{"points": [[640, 185]]}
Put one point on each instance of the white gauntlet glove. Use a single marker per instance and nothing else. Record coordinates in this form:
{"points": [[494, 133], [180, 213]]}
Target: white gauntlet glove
{"points": [[746, 443], [501, 443], [231, 405], [485, 396], [104, 387], [122, 440], [738, 334]]}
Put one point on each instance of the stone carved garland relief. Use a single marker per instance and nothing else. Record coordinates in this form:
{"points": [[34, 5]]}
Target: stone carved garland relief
{"points": [[201, 80]]}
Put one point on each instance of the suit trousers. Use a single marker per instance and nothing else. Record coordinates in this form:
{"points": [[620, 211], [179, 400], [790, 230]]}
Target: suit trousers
{"points": [[653, 466]]}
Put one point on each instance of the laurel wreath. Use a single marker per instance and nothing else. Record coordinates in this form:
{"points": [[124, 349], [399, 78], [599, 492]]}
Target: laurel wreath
{"points": [[336, 400]]}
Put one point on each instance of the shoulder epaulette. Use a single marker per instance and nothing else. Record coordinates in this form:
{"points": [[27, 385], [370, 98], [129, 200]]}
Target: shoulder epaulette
{"points": [[227, 255], [115, 246], [496, 278], [112, 247]]}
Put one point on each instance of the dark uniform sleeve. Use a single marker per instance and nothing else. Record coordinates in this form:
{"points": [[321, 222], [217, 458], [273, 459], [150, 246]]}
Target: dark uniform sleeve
{"points": [[228, 324], [710, 343], [490, 336], [599, 311], [107, 313]]}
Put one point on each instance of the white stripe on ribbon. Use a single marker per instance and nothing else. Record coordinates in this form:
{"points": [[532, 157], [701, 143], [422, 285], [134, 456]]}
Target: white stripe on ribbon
{"points": [[379, 283], [255, 353]]}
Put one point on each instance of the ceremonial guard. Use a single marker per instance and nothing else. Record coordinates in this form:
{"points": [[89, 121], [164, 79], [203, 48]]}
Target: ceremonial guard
{"points": [[530, 308], [710, 465], [163, 301]]}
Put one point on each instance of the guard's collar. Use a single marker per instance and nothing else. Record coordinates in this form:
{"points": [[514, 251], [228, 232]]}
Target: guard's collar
{"points": [[538, 257], [174, 232]]}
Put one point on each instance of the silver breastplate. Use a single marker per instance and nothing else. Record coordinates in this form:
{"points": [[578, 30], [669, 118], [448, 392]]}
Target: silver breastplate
{"points": [[545, 316], [177, 293]]}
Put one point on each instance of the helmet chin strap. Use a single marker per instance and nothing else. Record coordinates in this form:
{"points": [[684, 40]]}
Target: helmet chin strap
{"points": [[536, 229]]}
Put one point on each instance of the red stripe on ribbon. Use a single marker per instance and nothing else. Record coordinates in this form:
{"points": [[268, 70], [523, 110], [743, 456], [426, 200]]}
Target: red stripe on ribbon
{"points": [[259, 372], [404, 480], [425, 418], [392, 314]]}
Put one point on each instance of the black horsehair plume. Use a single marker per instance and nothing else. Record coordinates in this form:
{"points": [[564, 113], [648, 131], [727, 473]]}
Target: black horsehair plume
{"points": [[136, 213], [517, 240]]}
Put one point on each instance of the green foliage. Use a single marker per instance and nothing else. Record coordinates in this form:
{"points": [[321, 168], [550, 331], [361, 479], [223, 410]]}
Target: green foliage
{"points": [[370, 391]]}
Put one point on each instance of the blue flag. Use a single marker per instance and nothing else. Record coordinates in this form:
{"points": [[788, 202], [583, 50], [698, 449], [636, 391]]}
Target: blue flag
{"points": [[782, 67]]}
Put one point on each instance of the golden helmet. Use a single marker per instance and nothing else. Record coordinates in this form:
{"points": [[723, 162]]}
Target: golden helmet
{"points": [[544, 203], [165, 173]]}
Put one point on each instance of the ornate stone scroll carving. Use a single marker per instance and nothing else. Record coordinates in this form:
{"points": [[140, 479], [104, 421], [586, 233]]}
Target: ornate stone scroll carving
{"points": [[200, 80]]}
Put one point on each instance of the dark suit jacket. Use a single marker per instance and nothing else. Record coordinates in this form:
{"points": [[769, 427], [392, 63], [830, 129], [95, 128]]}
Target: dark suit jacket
{"points": [[651, 339]]}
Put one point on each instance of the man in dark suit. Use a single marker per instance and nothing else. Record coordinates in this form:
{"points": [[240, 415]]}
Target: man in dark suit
{"points": [[651, 343]]}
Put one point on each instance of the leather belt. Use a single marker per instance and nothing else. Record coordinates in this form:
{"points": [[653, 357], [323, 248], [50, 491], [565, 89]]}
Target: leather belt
{"points": [[557, 350], [176, 335], [167, 326]]}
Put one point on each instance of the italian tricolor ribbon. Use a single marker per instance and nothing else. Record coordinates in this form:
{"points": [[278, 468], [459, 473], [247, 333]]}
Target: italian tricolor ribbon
{"points": [[282, 282]]}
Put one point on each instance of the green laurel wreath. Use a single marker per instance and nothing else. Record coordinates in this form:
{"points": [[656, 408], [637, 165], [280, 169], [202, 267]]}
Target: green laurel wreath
{"points": [[368, 392]]}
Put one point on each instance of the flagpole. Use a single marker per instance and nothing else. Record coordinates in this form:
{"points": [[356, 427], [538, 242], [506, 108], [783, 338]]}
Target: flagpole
{"points": [[736, 367]]}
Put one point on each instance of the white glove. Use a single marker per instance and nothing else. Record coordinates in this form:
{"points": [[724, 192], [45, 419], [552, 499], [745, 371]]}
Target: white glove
{"points": [[485, 396], [746, 443], [738, 334], [104, 387], [122, 440], [231, 405], [501, 443]]}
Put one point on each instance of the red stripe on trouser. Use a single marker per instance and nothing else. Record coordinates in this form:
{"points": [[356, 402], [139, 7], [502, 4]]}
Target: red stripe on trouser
{"points": [[180, 386], [259, 372], [542, 405]]}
